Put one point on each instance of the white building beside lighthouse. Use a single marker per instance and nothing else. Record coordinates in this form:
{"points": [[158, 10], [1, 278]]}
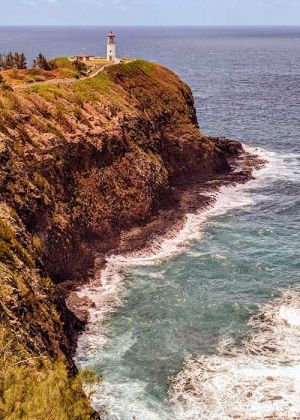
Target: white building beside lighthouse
{"points": [[111, 47]]}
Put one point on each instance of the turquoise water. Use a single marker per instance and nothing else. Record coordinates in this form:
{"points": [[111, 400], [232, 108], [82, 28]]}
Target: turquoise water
{"points": [[199, 288], [195, 289]]}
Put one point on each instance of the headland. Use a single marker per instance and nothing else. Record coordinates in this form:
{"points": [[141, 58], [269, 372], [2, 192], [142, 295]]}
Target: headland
{"points": [[90, 167]]}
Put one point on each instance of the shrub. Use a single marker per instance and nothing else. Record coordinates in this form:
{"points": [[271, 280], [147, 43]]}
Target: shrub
{"points": [[37, 243], [13, 60], [39, 389], [42, 63], [3, 84], [80, 67]]}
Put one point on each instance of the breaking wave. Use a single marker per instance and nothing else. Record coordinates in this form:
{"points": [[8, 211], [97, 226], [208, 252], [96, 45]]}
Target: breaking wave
{"points": [[259, 379], [106, 289], [255, 380]]}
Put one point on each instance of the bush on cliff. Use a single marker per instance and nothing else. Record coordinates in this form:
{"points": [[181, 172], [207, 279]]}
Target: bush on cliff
{"points": [[39, 389], [3, 84], [35, 382]]}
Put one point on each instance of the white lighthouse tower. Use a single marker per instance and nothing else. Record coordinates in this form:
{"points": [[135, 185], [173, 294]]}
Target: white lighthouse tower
{"points": [[111, 47]]}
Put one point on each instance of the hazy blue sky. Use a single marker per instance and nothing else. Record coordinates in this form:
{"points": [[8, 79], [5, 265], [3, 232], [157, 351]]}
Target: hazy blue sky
{"points": [[144, 12]]}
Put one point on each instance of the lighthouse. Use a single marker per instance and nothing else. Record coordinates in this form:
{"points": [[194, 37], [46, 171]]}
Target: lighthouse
{"points": [[111, 47]]}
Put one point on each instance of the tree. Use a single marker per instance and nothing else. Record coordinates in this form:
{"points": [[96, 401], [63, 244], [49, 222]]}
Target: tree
{"points": [[9, 61], [16, 59], [42, 63], [80, 67], [20, 61], [13, 60]]}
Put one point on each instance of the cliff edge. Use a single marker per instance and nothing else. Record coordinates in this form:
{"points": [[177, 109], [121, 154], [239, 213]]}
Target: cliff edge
{"points": [[81, 162]]}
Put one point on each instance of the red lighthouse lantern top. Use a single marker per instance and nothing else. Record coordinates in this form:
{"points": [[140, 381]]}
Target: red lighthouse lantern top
{"points": [[111, 38]]}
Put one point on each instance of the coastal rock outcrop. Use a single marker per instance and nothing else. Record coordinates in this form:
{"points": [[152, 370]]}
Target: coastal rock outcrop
{"points": [[82, 162]]}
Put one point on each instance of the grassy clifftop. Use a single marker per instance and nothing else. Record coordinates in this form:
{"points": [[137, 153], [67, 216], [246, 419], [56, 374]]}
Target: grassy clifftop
{"points": [[80, 162]]}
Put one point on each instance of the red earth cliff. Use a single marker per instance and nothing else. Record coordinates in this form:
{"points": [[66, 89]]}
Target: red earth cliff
{"points": [[81, 163]]}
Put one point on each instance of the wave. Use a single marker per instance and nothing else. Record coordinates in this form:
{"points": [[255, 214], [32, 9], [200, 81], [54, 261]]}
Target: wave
{"points": [[105, 290], [107, 293], [259, 379]]}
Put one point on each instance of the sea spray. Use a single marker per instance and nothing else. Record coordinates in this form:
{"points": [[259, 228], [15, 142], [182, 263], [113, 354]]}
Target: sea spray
{"points": [[105, 290], [258, 379], [108, 291]]}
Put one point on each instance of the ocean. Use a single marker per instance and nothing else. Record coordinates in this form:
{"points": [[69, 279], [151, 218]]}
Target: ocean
{"points": [[206, 323]]}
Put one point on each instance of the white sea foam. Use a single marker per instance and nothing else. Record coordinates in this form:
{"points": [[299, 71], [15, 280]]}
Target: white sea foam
{"points": [[133, 395], [225, 382], [106, 289], [258, 379]]}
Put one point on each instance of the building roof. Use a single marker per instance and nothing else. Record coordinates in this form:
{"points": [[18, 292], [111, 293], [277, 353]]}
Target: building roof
{"points": [[84, 55]]}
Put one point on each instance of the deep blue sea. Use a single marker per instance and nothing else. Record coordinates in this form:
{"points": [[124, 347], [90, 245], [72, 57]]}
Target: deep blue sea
{"points": [[206, 323]]}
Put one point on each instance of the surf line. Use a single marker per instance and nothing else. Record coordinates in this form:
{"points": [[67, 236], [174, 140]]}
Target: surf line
{"points": [[258, 379], [105, 290]]}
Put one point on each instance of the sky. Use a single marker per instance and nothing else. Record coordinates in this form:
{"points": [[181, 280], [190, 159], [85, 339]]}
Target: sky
{"points": [[150, 12]]}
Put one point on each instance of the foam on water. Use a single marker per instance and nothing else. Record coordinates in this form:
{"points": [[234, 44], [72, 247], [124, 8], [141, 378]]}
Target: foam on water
{"points": [[104, 291], [258, 379], [224, 381]]}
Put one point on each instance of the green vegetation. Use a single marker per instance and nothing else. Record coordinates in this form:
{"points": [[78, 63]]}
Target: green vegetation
{"points": [[64, 63], [100, 60], [32, 385], [38, 244], [40, 62], [61, 62], [51, 92], [146, 66], [13, 61], [89, 89], [38, 388], [10, 247], [132, 68], [84, 90], [3, 84], [78, 160], [14, 66]]}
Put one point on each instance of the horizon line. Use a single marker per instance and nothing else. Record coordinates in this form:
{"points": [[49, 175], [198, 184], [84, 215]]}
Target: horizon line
{"points": [[155, 25]]}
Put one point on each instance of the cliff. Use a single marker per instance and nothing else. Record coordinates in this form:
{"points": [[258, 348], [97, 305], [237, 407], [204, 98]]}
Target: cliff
{"points": [[81, 162]]}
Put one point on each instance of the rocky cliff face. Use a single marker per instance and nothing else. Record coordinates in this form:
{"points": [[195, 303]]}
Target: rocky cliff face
{"points": [[80, 163]]}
